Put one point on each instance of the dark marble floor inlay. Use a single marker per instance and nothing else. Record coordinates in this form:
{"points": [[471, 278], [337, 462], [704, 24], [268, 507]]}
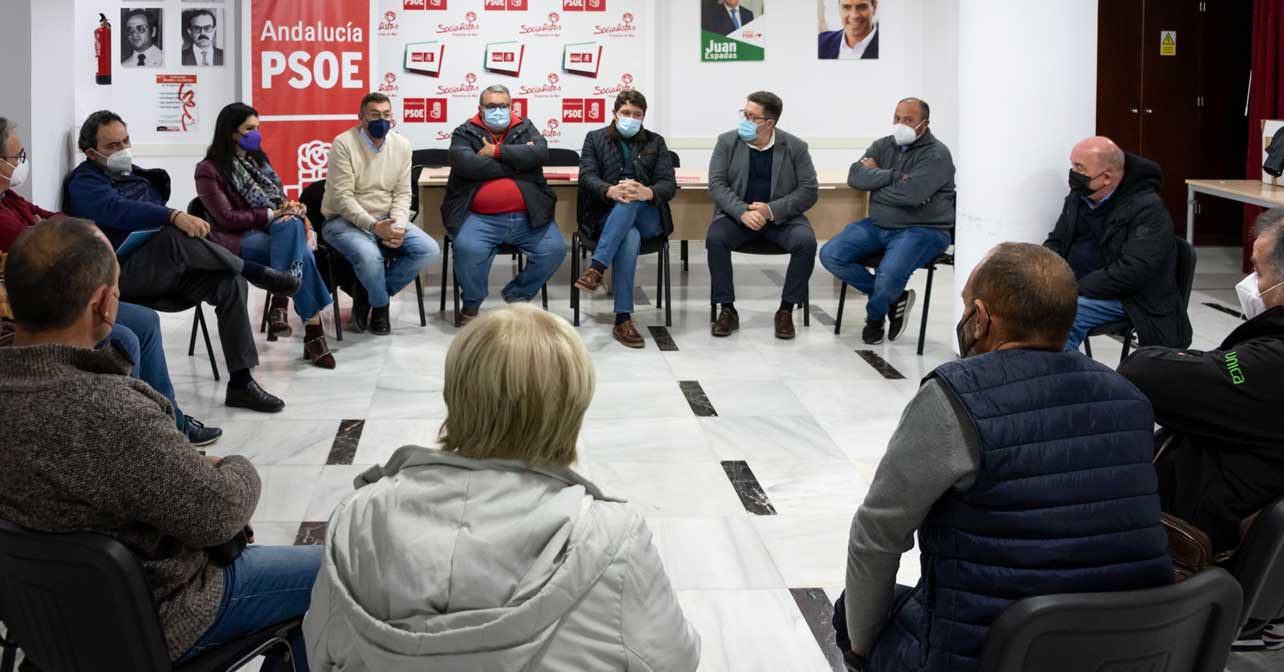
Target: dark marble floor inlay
{"points": [[881, 365], [819, 314], [1229, 311], [663, 339], [344, 448], [818, 611], [697, 399], [311, 534], [747, 488], [775, 276], [640, 298]]}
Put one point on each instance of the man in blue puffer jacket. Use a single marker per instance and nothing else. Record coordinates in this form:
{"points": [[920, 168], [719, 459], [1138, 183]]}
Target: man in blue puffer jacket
{"points": [[1024, 469]]}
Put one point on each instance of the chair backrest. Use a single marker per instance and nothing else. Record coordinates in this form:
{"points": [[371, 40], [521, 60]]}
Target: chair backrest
{"points": [[78, 601], [1185, 269], [563, 157], [196, 208], [1258, 565], [430, 158], [311, 197], [1185, 627], [677, 162]]}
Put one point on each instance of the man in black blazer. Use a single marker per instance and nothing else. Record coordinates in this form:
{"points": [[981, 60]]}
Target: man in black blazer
{"points": [[725, 17], [201, 26], [858, 38]]}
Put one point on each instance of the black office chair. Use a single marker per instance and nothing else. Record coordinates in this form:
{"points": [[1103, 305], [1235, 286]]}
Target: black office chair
{"points": [[79, 602], [1258, 565], [1184, 627], [766, 248], [664, 281], [559, 158], [1124, 328], [196, 208], [872, 261], [338, 269]]}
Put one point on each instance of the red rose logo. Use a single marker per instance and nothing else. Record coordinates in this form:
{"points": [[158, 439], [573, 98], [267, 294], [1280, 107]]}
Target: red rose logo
{"points": [[471, 16], [553, 124], [628, 18], [390, 16], [470, 78], [626, 78], [390, 78], [554, 17], [553, 79]]}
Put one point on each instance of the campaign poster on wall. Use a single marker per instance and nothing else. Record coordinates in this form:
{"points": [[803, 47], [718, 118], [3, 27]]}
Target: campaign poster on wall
{"points": [[175, 103], [849, 30], [732, 30]]}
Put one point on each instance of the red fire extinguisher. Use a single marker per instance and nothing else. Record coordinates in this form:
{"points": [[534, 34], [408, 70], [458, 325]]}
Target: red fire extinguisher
{"points": [[102, 48]]}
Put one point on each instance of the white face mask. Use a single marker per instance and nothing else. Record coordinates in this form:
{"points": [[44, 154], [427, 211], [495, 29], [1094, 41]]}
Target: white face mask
{"points": [[1250, 299], [121, 162], [905, 135], [19, 175]]}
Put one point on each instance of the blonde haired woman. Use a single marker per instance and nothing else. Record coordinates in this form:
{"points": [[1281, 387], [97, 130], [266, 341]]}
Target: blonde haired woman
{"points": [[491, 553]]}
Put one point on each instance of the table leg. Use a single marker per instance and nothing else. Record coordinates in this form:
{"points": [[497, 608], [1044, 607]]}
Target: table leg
{"points": [[1190, 215]]}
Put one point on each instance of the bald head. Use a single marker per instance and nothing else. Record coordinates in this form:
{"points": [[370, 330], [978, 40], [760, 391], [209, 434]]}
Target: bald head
{"points": [[56, 270], [1027, 292], [1101, 162]]}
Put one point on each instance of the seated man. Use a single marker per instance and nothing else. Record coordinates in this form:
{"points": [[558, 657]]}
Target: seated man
{"points": [[1222, 460], [177, 260], [137, 329], [910, 177], [987, 464], [367, 213], [86, 448], [1118, 238], [497, 195], [762, 182]]}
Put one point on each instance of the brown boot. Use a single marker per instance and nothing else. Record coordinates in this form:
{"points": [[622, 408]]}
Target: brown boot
{"points": [[315, 349], [590, 281], [728, 322], [784, 324], [278, 319], [467, 315], [628, 336]]}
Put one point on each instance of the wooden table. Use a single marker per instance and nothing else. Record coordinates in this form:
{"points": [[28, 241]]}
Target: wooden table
{"points": [[1252, 192], [838, 205]]}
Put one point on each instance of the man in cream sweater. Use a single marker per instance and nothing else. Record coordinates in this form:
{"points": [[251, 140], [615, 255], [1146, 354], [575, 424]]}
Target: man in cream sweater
{"points": [[367, 212]]}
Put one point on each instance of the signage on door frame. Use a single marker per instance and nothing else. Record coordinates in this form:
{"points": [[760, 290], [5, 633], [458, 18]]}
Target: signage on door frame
{"points": [[1167, 43]]}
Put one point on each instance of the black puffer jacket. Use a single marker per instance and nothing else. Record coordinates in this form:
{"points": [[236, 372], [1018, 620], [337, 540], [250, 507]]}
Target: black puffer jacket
{"points": [[601, 166], [1138, 252], [522, 156]]}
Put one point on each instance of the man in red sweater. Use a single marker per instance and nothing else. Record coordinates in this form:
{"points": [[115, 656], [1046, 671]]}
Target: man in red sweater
{"points": [[137, 329]]}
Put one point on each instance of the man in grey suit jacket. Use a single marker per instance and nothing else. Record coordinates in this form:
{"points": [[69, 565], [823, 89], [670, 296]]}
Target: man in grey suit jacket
{"points": [[762, 181]]}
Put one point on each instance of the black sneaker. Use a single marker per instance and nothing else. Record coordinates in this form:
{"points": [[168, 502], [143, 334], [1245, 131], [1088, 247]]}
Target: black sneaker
{"points": [[899, 315], [199, 435], [873, 332], [380, 324]]}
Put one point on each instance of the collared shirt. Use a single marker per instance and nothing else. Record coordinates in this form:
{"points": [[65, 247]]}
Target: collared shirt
{"points": [[770, 143], [370, 143], [1093, 205], [734, 13], [152, 57], [846, 52], [203, 56]]}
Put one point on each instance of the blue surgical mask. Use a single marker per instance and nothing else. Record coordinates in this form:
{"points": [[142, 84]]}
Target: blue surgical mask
{"points": [[378, 129], [628, 126], [251, 142], [497, 119], [748, 130]]}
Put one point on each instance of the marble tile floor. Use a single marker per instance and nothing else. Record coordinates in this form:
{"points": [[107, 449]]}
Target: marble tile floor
{"points": [[748, 455]]}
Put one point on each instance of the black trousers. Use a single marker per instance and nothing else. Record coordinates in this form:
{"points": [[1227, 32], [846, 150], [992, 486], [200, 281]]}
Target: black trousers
{"points": [[725, 235], [172, 264]]}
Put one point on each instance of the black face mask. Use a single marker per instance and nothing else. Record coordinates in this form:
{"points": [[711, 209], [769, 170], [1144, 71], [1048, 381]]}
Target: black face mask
{"points": [[960, 333], [1079, 183]]}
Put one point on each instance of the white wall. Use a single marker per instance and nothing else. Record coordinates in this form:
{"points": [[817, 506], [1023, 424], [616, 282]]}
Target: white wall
{"points": [[15, 74]]}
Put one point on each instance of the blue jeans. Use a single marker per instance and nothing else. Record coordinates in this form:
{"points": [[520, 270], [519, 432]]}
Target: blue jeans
{"points": [[904, 251], [381, 270], [137, 331], [475, 246], [626, 227], [264, 586], [284, 247], [1093, 313]]}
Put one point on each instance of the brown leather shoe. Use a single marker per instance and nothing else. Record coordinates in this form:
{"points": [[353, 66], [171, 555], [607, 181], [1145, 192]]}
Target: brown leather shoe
{"points": [[317, 351], [467, 315], [627, 334], [590, 280], [784, 324], [278, 325], [728, 322]]}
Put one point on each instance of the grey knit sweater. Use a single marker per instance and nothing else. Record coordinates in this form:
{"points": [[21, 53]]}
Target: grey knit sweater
{"points": [[84, 447]]}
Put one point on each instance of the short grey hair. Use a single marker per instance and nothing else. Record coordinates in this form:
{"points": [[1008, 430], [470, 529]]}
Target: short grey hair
{"points": [[494, 88], [1272, 222]]}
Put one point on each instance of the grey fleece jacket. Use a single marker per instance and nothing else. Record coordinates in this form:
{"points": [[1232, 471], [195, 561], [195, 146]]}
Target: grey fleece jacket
{"points": [[84, 447], [912, 186]]}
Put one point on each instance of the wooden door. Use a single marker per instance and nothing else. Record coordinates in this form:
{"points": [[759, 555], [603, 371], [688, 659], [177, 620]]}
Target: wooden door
{"points": [[1225, 59], [1119, 71]]}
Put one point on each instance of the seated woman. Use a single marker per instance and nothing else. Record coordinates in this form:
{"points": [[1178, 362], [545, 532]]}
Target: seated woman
{"points": [[249, 215], [626, 183], [491, 553]]}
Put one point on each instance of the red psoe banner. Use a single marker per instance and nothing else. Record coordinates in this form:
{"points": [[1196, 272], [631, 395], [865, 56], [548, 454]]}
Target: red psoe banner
{"points": [[309, 57]]}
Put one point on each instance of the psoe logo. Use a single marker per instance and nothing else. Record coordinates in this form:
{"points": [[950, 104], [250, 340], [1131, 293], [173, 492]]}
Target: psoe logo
{"points": [[551, 89], [389, 83], [584, 5], [551, 133], [583, 110], [388, 26], [468, 89], [551, 28], [468, 26], [424, 111], [624, 28], [427, 5], [626, 84]]}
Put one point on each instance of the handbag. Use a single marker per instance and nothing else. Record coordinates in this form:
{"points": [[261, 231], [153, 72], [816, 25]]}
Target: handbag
{"points": [[1191, 548]]}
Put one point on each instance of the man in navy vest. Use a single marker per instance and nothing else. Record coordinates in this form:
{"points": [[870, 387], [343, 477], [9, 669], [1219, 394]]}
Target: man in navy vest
{"points": [[1025, 470]]}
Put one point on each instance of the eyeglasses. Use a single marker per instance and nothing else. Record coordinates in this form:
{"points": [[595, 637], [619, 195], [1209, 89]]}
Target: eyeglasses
{"points": [[140, 30], [202, 30], [753, 117], [21, 157], [495, 106]]}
